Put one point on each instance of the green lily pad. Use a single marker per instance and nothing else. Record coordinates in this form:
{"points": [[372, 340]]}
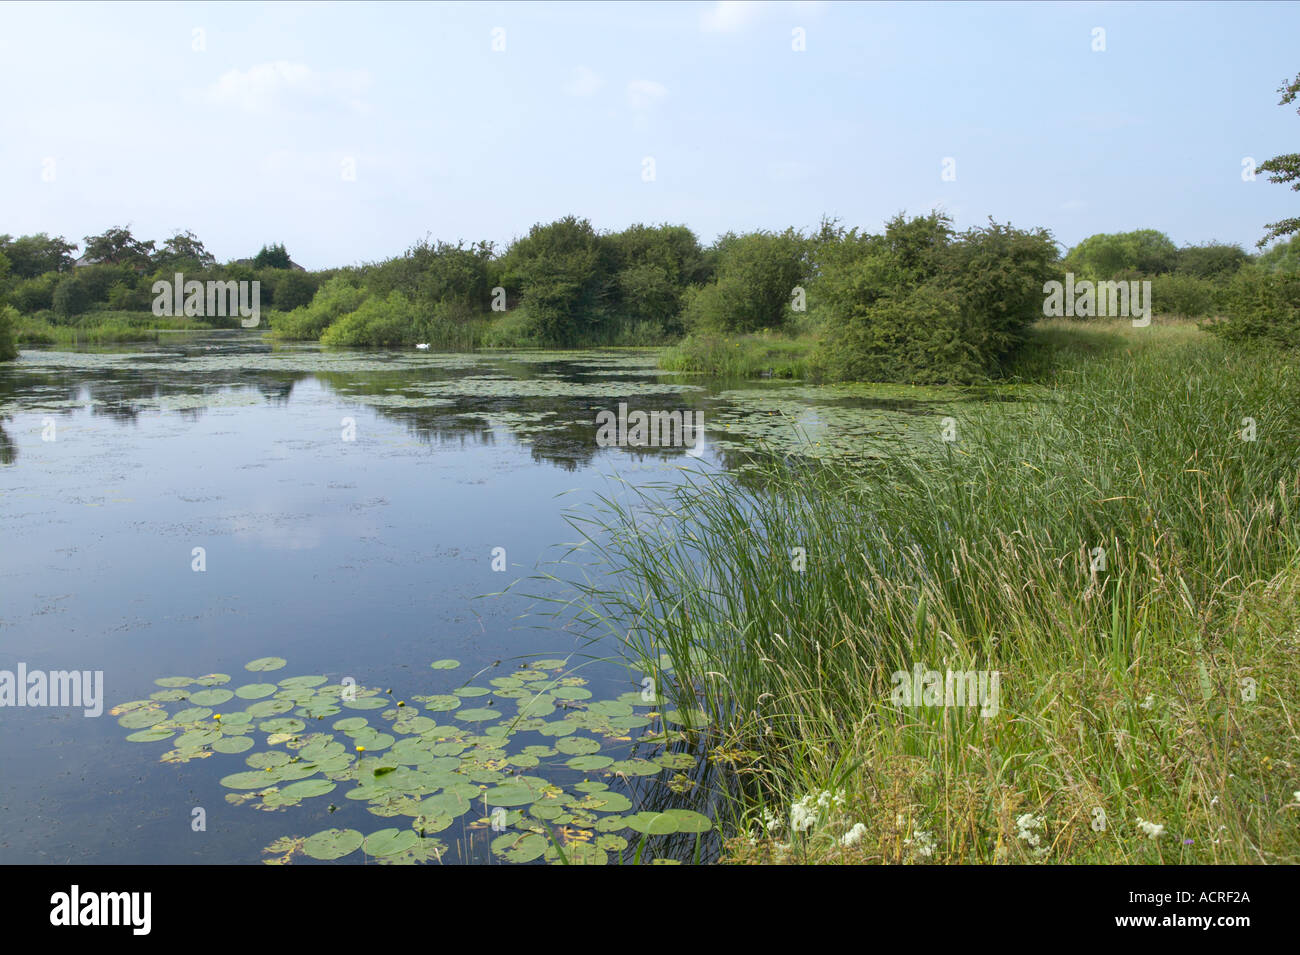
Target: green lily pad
{"points": [[262, 664], [232, 744], [387, 842], [212, 679], [588, 763], [332, 844], [478, 715], [151, 735], [520, 847], [686, 820], [210, 697], [308, 788], [140, 719], [578, 745], [196, 739], [248, 780], [255, 691], [445, 664], [192, 715], [174, 681]]}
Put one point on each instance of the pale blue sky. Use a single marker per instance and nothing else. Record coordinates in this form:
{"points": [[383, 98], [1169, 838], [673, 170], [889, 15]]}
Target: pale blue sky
{"points": [[245, 141]]}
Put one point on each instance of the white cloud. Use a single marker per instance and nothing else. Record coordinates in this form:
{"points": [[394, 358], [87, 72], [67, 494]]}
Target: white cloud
{"points": [[268, 86], [1073, 205], [729, 16], [643, 94], [583, 82]]}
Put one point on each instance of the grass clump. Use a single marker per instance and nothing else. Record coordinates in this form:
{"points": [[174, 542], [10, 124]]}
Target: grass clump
{"points": [[1122, 552]]}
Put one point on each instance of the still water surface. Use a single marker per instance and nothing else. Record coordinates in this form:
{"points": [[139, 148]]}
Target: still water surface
{"points": [[347, 504]]}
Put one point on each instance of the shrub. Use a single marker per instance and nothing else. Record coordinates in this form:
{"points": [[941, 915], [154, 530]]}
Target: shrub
{"points": [[33, 295], [8, 319], [1185, 296], [335, 298], [71, 297], [754, 285], [1263, 307], [379, 321]]}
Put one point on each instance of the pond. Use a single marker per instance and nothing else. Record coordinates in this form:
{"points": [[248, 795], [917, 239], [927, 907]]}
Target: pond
{"points": [[308, 591]]}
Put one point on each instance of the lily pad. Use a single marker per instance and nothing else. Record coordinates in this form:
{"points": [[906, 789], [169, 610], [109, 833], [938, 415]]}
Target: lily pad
{"points": [[444, 664], [262, 664], [387, 842], [332, 844], [255, 691]]}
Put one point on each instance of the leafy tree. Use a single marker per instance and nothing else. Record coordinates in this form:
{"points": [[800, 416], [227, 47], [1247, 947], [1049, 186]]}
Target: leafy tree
{"points": [[753, 285], [1263, 307], [71, 297], [562, 273], [1282, 257], [272, 257], [8, 318], [1112, 256], [184, 252], [1284, 168], [1213, 260], [118, 247], [33, 255], [33, 295], [292, 290]]}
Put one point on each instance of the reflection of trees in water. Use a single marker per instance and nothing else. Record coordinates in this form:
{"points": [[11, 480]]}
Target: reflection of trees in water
{"points": [[560, 429], [8, 450]]}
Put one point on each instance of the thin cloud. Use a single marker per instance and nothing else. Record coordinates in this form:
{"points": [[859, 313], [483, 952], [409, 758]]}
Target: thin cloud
{"points": [[583, 82], [266, 87], [643, 94]]}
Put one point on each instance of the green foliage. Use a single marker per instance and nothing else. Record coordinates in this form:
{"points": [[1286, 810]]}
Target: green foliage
{"points": [[33, 295], [1186, 296], [98, 280], [756, 275], [117, 246], [183, 252], [1282, 169], [292, 290], [1263, 307], [32, 255], [387, 322], [1282, 257], [8, 319], [71, 297], [272, 257], [334, 299], [562, 273], [1122, 255], [921, 305], [1213, 260], [125, 298]]}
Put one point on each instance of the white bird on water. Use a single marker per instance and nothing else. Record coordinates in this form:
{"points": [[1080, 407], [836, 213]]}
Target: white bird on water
{"points": [[422, 347]]}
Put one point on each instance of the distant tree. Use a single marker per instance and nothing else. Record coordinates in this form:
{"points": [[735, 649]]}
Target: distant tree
{"points": [[1282, 257], [1213, 260], [184, 251], [118, 247], [70, 297], [8, 352], [1284, 168], [292, 290], [33, 255], [754, 284], [1109, 256], [272, 257]]}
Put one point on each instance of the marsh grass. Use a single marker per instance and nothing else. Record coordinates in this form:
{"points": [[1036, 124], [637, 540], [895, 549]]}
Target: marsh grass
{"points": [[1126, 691]]}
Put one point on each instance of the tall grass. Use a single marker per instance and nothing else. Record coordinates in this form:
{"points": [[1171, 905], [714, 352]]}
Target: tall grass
{"points": [[1125, 690]]}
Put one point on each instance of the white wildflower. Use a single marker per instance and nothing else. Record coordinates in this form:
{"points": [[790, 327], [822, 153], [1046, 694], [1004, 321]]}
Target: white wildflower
{"points": [[1154, 830], [1149, 702], [922, 843], [1026, 827], [854, 835]]}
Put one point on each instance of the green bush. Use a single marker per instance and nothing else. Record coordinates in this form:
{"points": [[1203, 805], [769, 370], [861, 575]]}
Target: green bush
{"points": [[126, 299], [334, 299], [71, 297], [919, 305], [33, 295], [8, 319], [387, 321], [1185, 296], [292, 290], [754, 284], [1263, 307]]}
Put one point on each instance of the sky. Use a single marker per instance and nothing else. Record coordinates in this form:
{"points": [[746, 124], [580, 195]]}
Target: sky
{"points": [[349, 132]]}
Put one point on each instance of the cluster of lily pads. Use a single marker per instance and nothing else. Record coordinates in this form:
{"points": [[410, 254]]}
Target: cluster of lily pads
{"points": [[433, 760]]}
